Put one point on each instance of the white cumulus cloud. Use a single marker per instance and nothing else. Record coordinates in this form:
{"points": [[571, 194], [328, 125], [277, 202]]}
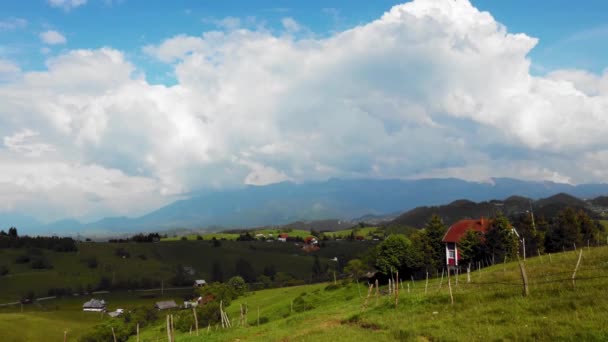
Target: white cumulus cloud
{"points": [[431, 88], [52, 37], [67, 4]]}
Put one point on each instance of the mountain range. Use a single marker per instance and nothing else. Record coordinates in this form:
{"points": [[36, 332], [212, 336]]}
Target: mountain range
{"points": [[283, 203]]}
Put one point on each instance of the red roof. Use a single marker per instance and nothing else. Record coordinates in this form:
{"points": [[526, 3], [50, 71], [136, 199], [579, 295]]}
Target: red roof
{"points": [[458, 229], [284, 235]]}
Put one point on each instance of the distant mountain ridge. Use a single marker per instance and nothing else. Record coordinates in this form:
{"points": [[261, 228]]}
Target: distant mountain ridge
{"points": [[287, 202], [511, 206]]}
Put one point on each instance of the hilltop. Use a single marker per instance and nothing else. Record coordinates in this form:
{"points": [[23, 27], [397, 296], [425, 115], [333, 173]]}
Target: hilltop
{"points": [[511, 206]]}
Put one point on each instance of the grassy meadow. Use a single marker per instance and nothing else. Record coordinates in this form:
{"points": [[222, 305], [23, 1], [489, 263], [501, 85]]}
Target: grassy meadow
{"points": [[158, 261], [490, 307]]}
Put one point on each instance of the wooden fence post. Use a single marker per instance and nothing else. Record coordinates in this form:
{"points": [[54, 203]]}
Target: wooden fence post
{"points": [[524, 279], [113, 334], [369, 293], [168, 329], [137, 332], [426, 284], [172, 330], [469, 273], [195, 320], [450, 287], [377, 290], [580, 255], [397, 291]]}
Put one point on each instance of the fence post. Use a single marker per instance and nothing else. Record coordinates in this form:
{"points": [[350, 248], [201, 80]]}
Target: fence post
{"points": [[580, 255], [113, 334], [450, 287], [524, 278], [168, 329], [397, 291], [426, 284], [195, 321], [469, 273]]}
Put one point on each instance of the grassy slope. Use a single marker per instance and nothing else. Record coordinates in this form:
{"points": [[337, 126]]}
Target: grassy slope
{"points": [[233, 236], [491, 307], [365, 232], [47, 320], [161, 259]]}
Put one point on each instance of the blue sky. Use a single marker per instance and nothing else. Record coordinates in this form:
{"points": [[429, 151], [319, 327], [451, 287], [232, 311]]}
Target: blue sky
{"points": [[572, 34], [117, 107]]}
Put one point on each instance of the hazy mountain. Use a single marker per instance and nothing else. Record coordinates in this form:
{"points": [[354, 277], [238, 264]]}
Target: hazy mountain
{"points": [[287, 202]]}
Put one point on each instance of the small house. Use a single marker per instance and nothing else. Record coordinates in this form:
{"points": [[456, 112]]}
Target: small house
{"points": [[311, 240], [200, 283], [94, 305], [165, 305], [283, 237], [456, 232], [116, 313]]}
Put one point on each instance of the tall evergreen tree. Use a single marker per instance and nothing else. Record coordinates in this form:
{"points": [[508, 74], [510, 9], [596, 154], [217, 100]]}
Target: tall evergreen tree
{"points": [[471, 247], [435, 230], [501, 240], [245, 270], [564, 232], [217, 275]]}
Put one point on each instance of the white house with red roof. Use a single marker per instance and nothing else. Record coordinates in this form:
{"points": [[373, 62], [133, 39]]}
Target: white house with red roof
{"points": [[456, 232]]}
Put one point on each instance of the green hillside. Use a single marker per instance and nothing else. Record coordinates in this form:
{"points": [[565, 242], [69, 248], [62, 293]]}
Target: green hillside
{"points": [[148, 264], [490, 307]]}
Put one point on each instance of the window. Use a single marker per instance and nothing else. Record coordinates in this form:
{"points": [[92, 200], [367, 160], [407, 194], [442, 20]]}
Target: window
{"points": [[451, 254]]}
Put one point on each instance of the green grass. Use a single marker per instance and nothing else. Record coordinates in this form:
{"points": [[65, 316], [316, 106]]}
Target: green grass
{"points": [[366, 232], [233, 236], [491, 307], [47, 320], [158, 261]]}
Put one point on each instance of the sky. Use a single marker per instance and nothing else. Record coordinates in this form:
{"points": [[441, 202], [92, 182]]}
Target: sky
{"points": [[117, 107]]}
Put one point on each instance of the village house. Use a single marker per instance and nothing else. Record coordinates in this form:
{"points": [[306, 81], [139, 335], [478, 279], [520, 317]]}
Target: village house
{"points": [[200, 283], [94, 305], [165, 305], [456, 232], [283, 237]]}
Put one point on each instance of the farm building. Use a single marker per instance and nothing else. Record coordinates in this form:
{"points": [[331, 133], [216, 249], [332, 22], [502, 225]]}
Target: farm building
{"points": [[456, 232], [94, 305], [200, 283], [165, 305], [283, 237]]}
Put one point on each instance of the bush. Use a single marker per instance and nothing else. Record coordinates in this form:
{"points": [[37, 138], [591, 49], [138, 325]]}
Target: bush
{"points": [[300, 304], [41, 263], [92, 262], [3, 270], [22, 259]]}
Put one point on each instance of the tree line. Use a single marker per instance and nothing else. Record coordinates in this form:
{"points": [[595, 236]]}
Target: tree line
{"points": [[11, 239], [420, 251]]}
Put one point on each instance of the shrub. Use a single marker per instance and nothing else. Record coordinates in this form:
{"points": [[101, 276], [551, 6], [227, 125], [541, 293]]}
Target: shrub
{"points": [[300, 304], [40, 263], [22, 259], [92, 262]]}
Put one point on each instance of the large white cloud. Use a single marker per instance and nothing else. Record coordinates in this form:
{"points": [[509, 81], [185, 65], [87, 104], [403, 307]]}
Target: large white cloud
{"points": [[432, 88]]}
